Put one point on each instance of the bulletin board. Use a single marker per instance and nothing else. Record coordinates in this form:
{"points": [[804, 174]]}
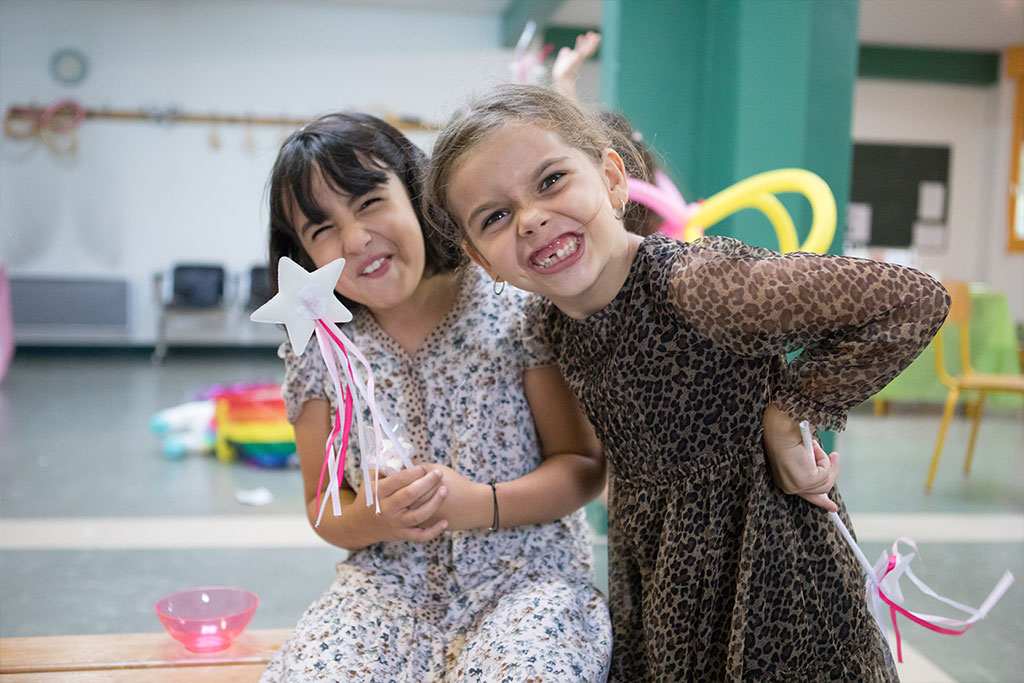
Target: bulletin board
{"points": [[899, 196]]}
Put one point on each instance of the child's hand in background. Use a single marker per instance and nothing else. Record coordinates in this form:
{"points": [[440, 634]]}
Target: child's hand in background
{"points": [[468, 505], [569, 60], [408, 499], [794, 470]]}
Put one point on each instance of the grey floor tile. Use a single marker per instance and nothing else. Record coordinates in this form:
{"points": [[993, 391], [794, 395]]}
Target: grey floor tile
{"points": [[57, 592], [884, 462]]}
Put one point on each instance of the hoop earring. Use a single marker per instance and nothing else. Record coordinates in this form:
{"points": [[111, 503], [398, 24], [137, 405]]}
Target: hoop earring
{"points": [[620, 212], [496, 289]]}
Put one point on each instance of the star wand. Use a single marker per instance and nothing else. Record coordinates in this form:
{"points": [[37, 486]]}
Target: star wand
{"points": [[306, 304]]}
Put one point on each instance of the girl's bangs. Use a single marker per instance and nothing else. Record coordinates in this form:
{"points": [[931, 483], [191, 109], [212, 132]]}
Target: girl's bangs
{"points": [[342, 169]]}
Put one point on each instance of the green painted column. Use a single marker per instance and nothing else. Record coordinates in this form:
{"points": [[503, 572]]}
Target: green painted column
{"points": [[724, 89], [651, 66]]}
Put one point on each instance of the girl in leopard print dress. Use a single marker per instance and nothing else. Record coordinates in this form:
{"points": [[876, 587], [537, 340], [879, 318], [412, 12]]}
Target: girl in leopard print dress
{"points": [[677, 353]]}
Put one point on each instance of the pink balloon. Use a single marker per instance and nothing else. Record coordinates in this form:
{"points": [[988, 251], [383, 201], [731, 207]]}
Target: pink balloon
{"points": [[668, 204], [666, 185], [6, 324], [655, 198]]}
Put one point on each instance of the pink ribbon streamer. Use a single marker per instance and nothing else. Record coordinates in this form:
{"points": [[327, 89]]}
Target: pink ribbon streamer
{"points": [[875, 578], [383, 435], [937, 624], [338, 422], [6, 323], [330, 464], [523, 61], [894, 609]]}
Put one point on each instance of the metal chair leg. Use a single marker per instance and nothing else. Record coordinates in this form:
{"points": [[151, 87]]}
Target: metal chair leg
{"points": [[979, 408], [161, 339], [947, 415]]}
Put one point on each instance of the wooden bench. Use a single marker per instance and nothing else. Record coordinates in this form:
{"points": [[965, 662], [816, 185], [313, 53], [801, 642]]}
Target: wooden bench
{"points": [[141, 657]]}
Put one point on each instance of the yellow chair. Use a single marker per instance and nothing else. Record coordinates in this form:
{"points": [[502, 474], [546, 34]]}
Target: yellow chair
{"points": [[967, 380]]}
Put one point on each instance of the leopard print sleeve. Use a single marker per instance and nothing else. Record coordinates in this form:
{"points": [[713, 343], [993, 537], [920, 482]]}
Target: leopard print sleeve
{"points": [[539, 334], [858, 322]]}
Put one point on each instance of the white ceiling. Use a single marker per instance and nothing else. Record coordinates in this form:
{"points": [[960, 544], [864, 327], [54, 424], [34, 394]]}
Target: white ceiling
{"points": [[464, 6], [950, 24], [578, 13]]}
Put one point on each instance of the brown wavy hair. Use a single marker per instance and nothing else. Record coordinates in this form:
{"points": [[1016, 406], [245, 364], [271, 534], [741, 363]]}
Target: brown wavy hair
{"points": [[512, 104]]}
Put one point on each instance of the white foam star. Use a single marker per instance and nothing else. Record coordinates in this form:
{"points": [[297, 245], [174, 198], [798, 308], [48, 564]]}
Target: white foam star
{"points": [[303, 298]]}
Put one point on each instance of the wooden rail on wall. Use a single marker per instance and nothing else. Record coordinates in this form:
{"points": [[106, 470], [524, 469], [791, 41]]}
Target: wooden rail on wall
{"points": [[171, 115], [57, 124]]}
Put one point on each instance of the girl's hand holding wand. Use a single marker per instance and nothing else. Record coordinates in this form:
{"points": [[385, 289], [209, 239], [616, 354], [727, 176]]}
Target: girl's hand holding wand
{"points": [[408, 499], [793, 469], [468, 505]]}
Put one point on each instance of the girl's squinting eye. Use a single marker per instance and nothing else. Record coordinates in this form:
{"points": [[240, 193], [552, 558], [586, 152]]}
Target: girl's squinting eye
{"points": [[494, 218], [317, 231], [369, 202], [551, 180]]}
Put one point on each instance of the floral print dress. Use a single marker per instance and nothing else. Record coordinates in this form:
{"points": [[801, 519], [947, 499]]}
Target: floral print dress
{"points": [[517, 604], [714, 574]]}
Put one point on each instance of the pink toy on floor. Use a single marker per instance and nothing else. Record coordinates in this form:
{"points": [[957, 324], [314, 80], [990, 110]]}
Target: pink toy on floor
{"points": [[6, 324]]}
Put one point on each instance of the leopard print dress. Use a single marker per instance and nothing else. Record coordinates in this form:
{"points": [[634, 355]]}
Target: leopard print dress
{"points": [[715, 575], [507, 606]]}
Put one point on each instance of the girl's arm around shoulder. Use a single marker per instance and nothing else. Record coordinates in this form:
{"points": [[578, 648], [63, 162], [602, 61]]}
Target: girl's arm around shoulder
{"points": [[859, 322], [407, 499]]}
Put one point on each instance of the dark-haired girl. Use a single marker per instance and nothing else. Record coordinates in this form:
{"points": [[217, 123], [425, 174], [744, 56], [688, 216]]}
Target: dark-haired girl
{"points": [[479, 565]]}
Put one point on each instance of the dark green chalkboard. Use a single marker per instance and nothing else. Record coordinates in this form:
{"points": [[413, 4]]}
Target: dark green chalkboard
{"points": [[888, 178]]}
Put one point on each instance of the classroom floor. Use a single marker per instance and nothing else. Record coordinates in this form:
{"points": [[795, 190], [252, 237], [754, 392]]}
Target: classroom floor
{"points": [[96, 525]]}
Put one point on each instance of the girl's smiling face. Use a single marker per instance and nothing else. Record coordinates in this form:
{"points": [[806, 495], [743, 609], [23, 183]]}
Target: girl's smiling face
{"points": [[541, 215], [377, 234]]}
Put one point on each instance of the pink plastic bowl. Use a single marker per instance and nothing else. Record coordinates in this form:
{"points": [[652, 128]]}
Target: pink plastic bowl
{"points": [[207, 619]]}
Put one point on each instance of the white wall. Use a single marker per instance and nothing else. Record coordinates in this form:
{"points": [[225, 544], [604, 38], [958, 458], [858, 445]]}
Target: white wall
{"points": [[975, 122], [1005, 272], [140, 195]]}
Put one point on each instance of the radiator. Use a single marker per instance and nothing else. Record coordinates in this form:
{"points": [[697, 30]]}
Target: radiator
{"points": [[54, 303]]}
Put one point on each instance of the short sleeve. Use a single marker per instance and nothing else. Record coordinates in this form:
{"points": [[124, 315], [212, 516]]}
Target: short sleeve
{"points": [[305, 378], [540, 348]]}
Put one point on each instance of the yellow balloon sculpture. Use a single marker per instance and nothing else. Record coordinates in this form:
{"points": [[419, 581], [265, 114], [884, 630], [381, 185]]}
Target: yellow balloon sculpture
{"points": [[688, 221]]}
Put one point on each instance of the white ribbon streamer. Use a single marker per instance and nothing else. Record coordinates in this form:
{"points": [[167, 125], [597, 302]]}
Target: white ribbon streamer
{"points": [[883, 580]]}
